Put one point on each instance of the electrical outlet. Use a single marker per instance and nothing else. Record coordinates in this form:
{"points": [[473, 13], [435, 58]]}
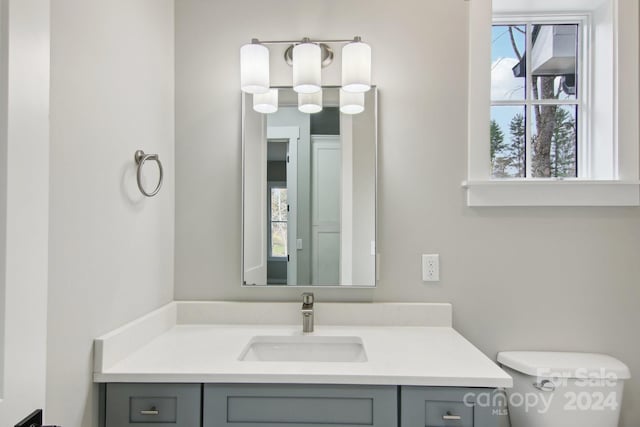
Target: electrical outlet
{"points": [[431, 268]]}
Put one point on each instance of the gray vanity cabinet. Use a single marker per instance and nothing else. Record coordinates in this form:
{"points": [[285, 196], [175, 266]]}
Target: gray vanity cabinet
{"points": [[295, 405], [447, 407], [152, 405], [257, 405]]}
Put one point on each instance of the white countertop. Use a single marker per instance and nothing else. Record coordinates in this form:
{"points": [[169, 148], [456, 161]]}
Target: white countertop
{"points": [[209, 353]]}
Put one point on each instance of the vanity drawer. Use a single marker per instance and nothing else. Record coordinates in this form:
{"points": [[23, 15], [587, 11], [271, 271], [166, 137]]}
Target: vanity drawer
{"points": [[258, 405], [151, 404], [448, 407]]}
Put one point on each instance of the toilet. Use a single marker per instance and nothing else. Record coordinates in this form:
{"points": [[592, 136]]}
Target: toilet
{"points": [[559, 389]]}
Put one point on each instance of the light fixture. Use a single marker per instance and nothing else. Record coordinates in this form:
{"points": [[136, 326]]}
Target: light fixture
{"points": [[356, 66], [254, 68], [266, 103], [307, 65], [310, 102], [351, 103], [307, 57]]}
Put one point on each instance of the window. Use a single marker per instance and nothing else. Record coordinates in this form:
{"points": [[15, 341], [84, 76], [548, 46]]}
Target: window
{"points": [[278, 213], [536, 99], [553, 103]]}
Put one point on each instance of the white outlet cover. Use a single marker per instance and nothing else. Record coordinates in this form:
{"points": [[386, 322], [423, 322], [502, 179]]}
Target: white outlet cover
{"points": [[431, 268]]}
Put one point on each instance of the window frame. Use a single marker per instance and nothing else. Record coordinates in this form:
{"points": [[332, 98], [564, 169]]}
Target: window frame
{"points": [[584, 76], [619, 185], [270, 257]]}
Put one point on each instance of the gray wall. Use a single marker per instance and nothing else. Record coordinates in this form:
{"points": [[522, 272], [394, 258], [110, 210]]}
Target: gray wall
{"points": [[110, 249], [518, 278]]}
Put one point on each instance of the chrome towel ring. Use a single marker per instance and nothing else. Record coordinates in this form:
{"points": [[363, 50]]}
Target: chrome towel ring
{"points": [[140, 157]]}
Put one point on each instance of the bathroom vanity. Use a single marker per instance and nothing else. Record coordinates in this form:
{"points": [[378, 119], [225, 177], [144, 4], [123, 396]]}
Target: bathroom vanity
{"points": [[249, 364]]}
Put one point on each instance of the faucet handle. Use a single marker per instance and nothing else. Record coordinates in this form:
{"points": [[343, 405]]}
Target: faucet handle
{"points": [[307, 298]]}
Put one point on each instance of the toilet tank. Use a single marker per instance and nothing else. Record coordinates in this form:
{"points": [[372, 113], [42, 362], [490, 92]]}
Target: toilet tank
{"points": [[559, 389]]}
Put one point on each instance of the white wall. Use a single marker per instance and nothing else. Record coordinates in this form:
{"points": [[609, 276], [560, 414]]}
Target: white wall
{"points": [[111, 250], [24, 205], [519, 278], [364, 194]]}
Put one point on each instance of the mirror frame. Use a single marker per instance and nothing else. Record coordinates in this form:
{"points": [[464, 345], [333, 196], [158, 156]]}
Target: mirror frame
{"points": [[244, 106]]}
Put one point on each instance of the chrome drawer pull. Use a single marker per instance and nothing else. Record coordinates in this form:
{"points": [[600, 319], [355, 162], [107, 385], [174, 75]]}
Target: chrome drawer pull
{"points": [[152, 411], [451, 417]]}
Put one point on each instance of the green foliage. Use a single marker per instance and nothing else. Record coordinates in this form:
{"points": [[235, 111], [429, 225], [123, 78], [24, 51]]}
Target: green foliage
{"points": [[497, 138]]}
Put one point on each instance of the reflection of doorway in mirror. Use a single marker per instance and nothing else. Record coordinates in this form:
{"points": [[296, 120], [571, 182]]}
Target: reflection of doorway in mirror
{"points": [[300, 249], [281, 215], [277, 212]]}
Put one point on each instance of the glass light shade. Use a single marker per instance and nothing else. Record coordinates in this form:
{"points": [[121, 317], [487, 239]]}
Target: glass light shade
{"points": [[254, 68], [310, 102], [351, 103], [266, 103], [307, 65], [356, 67]]}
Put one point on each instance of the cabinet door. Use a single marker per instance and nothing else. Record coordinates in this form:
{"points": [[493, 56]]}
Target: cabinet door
{"points": [[448, 407], [153, 405], [258, 405]]}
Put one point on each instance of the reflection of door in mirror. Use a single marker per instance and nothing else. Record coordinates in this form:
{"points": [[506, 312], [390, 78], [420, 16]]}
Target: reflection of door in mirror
{"points": [[325, 209]]}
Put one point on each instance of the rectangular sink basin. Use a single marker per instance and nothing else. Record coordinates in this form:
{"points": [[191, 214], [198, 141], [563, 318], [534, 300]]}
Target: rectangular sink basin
{"points": [[304, 349]]}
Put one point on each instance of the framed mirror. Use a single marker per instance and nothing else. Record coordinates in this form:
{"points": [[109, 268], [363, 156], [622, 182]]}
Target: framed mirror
{"points": [[309, 193]]}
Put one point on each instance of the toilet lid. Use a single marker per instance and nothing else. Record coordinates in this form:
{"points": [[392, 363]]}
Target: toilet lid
{"points": [[564, 365]]}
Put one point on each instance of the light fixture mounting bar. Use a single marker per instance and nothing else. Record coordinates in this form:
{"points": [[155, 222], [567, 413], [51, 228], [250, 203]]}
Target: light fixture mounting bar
{"points": [[272, 42]]}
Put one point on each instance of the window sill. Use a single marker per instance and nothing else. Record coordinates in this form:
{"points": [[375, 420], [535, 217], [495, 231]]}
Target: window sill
{"points": [[544, 192]]}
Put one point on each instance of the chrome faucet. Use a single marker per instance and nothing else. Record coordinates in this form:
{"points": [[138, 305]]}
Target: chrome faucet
{"points": [[307, 312]]}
